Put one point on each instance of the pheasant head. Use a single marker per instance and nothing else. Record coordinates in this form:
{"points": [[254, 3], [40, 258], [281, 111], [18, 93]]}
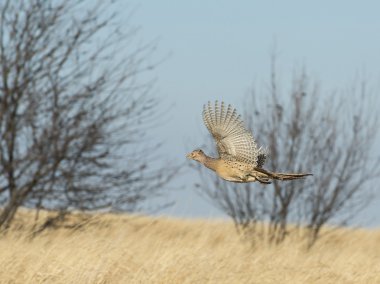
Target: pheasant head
{"points": [[197, 155]]}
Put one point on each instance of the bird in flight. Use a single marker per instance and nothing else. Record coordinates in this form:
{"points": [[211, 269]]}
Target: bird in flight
{"points": [[240, 160]]}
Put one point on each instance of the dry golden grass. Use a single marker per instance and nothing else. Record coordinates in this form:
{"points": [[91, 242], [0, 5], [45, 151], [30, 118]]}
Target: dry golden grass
{"points": [[131, 249]]}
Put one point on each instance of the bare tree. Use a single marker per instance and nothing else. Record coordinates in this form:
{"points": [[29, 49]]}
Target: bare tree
{"points": [[73, 112], [331, 136]]}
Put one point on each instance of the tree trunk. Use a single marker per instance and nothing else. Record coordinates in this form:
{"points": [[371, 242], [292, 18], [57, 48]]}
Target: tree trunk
{"points": [[8, 213]]}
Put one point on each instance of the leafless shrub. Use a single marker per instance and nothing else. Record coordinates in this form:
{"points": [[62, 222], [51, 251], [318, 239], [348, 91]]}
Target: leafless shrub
{"points": [[331, 136], [74, 112]]}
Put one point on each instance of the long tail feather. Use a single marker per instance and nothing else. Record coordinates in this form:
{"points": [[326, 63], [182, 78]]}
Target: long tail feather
{"points": [[288, 176], [282, 176]]}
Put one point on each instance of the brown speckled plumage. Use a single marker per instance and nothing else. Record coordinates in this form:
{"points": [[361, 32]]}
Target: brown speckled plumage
{"points": [[240, 160]]}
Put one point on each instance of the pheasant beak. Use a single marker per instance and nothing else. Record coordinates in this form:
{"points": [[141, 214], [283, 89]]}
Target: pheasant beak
{"points": [[189, 156]]}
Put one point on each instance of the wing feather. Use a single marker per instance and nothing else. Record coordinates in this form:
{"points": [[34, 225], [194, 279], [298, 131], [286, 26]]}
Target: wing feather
{"points": [[233, 140]]}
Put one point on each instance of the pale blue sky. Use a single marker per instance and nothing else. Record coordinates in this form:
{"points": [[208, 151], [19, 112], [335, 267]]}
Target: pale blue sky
{"points": [[218, 49]]}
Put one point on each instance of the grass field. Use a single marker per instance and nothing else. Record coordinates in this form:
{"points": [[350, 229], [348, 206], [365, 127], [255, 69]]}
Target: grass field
{"points": [[131, 249]]}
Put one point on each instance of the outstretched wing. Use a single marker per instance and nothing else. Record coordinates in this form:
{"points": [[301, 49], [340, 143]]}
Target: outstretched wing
{"points": [[233, 141]]}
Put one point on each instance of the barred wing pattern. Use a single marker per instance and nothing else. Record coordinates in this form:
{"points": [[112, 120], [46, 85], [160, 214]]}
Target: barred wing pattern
{"points": [[233, 141]]}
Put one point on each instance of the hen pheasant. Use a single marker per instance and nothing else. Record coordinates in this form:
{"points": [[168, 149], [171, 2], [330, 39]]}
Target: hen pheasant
{"points": [[240, 160]]}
